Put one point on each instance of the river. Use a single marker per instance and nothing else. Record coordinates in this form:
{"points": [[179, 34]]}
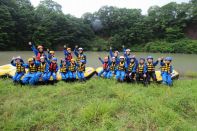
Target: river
{"points": [[183, 63]]}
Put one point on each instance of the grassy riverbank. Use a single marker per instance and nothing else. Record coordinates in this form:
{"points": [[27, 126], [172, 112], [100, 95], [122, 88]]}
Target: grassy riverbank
{"points": [[98, 105]]}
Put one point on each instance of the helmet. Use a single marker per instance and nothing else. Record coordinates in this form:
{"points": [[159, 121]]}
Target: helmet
{"points": [[142, 59], [128, 50], [54, 59], [30, 59], [113, 57], [52, 52], [80, 49], [42, 57], [72, 60], [132, 57], [149, 57], [106, 58], [116, 52], [168, 59], [40, 47], [68, 49], [82, 61], [121, 57], [18, 57]]}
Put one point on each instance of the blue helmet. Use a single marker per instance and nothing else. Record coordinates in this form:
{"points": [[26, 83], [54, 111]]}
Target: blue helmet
{"points": [[82, 61], [54, 59], [168, 59], [142, 59], [149, 57]]}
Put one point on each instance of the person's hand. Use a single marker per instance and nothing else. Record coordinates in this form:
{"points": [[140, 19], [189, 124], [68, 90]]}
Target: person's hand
{"points": [[144, 75], [30, 43], [110, 48], [123, 46], [47, 50], [76, 46], [133, 56], [64, 46], [99, 58]]}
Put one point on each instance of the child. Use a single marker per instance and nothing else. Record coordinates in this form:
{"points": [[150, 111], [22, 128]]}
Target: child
{"points": [[105, 70], [30, 77], [51, 54], [79, 54], [63, 69], [38, 52], [115, 54], [127, 54], [112, 68], [151, 69], [67, 53], [122, 66], [167, 71], [42, 70], [53, 68], [131, 70], [81, 70], [141, 71], [72, 70], [20, 68]]}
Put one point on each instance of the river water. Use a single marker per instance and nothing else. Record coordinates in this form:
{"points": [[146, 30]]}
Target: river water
{"points": [[183, 63]]}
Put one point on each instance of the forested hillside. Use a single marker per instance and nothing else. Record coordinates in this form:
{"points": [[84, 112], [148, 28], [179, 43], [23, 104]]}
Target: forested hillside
{"points": [[169, 26]]}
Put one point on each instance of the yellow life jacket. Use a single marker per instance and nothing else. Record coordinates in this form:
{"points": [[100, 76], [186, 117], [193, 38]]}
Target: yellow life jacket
{"points": [[81, 67], [162, 68], [131, 65], [167, 68], [112, 66], [72, 67], [41, 67], [19, 68], [121, 66], [63, 69], [150, 67], [140, 68], [32, 68], [80, 57]]}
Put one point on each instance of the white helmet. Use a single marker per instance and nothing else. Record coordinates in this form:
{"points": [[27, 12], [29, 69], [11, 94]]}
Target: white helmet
{"points": [[128, 50], [80, 48], [121, 57]]}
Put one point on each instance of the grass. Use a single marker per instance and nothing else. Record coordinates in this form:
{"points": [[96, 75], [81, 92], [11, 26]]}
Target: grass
{"points": [[98, 105]]}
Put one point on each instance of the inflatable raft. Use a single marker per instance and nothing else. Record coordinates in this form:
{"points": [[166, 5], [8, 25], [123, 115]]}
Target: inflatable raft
{"points": [[9, 70], [175, 74]]}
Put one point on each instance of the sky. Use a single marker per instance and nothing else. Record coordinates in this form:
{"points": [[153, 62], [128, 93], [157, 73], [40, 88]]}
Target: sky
{"points": [[78, 7]]}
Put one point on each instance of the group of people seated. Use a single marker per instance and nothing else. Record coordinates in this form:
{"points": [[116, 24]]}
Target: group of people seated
{"points": [[128, 68], [44, 66]]}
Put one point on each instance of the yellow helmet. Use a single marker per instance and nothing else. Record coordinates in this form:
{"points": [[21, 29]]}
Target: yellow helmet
{"points": [[52, 52], [30, 59]]}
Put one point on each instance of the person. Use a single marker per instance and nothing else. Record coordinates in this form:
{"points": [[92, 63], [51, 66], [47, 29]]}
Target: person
{"points": [[122, 66], [63, 70], [151, 69], [38, 52], [53, 69], [127, 54], [162, 67], [166, 77], [79, 54], [112, 68], [81, 70], [20, 69], [67, 53], [141, 71], [72, 70], [131, 70], [105, 64], [42, 70], [51, 54], [115, 54], [30, 77]]}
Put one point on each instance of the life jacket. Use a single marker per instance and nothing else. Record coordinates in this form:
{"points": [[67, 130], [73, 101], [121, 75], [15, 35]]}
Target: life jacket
{"points": [[113, 66], [105, 65], [39, 55], [63, 69], [81, 67], [121, 66], [80, 57], [53, 67], [41, 67], [32, 68], [140, 68], [72, 67], [162, 68], [167, 68], [20, 68], [131, 66], [69, 57], [150, 67]]}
